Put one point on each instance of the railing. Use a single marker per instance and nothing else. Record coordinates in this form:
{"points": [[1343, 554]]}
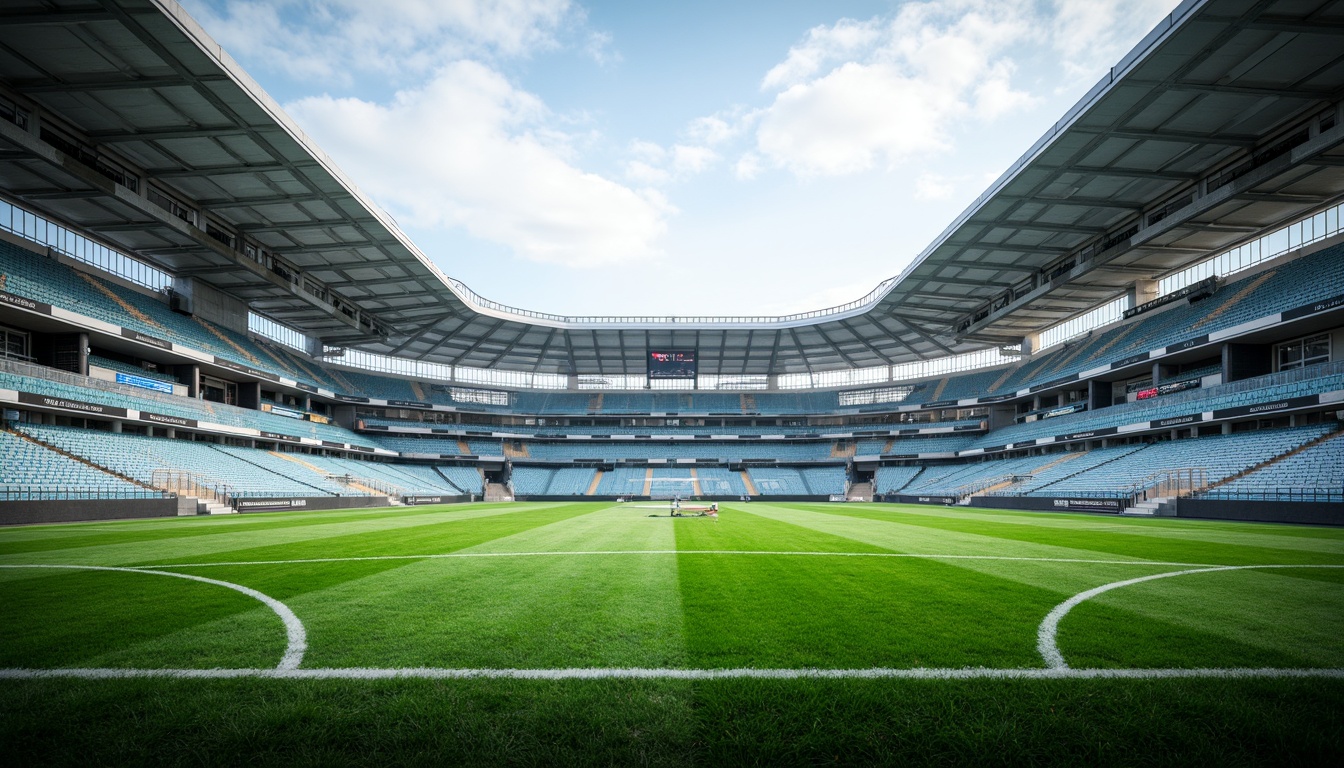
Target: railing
{"points": [[180, 482], [382, 486], [1277, 493], [971, 489], [68, 493], [1167, 484], [480, 302]]}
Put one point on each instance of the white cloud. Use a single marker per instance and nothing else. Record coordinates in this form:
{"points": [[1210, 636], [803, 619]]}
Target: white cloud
{"points": [[469, 150], [329, 39], [860, 95], [1092, 35], [932, 186], [652, 164], [747, 167], [824, 45]]}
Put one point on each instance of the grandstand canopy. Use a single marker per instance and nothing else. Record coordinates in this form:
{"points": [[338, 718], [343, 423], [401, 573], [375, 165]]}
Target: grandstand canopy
{"points": [[1222, 122]]}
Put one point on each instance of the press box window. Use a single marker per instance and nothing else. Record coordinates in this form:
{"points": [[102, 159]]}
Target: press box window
{"points": [[1300, 353]]}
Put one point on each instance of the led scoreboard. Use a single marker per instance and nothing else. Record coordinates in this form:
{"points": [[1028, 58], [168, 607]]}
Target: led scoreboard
{"points": [[672, 364]]}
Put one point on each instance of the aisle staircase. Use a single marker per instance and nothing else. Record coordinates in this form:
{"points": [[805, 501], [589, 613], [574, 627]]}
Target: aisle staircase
{"points": [[592, 487], [750, 486], [860, 492]]}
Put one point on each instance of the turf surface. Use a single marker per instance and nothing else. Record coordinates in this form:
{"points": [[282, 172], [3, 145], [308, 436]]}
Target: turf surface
{"points": [[597, 586]]}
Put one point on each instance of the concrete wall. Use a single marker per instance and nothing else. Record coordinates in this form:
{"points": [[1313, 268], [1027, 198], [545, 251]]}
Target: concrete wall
{"points": [[80, 510], [1308, 512]]}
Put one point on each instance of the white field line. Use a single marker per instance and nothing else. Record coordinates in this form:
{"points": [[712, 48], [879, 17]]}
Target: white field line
{"points": [[635, 673], [294, 631], [588, 553], [1047, 635]]}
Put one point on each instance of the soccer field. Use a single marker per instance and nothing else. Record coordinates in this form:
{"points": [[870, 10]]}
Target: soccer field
{"points": [[592, 632]]}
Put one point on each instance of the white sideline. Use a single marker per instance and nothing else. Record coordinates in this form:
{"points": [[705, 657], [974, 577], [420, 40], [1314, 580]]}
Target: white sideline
{"points": [[635, 673], [1047, 635], [454, 555], [296, 636]]}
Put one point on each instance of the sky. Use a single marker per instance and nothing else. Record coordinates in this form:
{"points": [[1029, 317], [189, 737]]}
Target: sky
{"points": [[687, 158]]}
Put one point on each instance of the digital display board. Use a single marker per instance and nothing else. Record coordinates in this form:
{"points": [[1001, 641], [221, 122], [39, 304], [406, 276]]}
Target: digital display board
{"points": [[672, 364]]}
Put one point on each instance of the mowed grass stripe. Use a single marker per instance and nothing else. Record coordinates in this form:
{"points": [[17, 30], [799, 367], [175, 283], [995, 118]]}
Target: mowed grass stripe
{"points": [[442, 529], [1111, 542], [844, 612], [45, 538], [62, 619], [152, 552], [1279, 618], [531, 612], [893, 533], [1266, 535]]}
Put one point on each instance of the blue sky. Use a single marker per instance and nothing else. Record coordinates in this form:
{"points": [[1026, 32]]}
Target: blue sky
{"points": [[675, 158]]}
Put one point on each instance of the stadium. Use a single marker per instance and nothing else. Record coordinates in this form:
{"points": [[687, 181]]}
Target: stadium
{"points": [[1068, 489]]}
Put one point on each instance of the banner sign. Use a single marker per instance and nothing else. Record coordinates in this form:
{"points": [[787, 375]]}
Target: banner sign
{"points": [[1167, 389], [351, 399], [1055, 383], [144, 382], [71, 405], [413, 500], [1197, 341], [409, 404], [1311, 309], [902, 499], [1128, 361], [1274, 407], [143, 339], [1093, 433], [1089, 505], [278, 436], [1176, 421], [257, 505], [23, 302], [172, 421], [250, 371], [1063, 410]]}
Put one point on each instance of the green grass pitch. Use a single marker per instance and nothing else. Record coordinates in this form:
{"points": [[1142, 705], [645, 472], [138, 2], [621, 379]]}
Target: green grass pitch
{"points": [[783, 633]]}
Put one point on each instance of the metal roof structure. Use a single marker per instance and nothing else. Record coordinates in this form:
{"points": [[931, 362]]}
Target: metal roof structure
{"points": [[123, 119]]}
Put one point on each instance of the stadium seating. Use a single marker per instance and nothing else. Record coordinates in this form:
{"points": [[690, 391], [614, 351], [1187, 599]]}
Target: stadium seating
{"points": [[465, 479], [1315, 473], [55, 383], [717, 481], [893, 479], [31, 471], [1220, 456], [778, 481]]}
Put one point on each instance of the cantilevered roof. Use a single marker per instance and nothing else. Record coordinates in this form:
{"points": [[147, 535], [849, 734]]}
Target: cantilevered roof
{"points": [[1223, 121]]}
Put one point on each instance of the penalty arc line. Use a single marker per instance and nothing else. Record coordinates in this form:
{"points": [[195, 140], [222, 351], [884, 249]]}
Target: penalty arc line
{"points": [[296, 636], [1047, 635]]}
